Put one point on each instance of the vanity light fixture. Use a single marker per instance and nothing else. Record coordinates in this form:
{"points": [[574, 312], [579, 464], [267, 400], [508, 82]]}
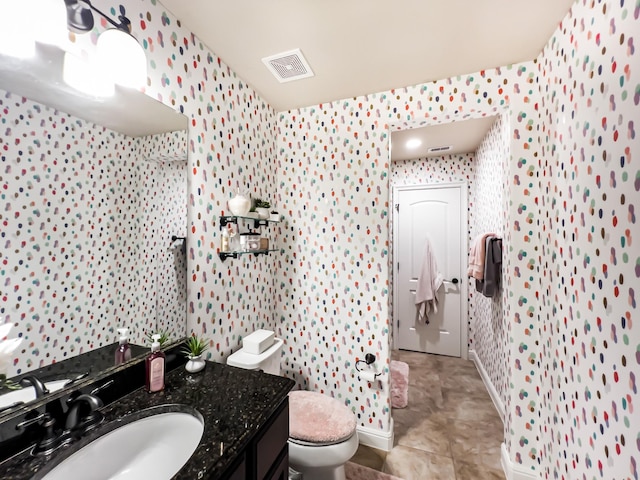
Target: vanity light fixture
{"points": [[118, 51]]}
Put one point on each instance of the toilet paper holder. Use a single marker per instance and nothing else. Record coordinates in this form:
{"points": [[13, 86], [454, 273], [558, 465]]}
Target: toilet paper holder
{"points": [[369, 359]]}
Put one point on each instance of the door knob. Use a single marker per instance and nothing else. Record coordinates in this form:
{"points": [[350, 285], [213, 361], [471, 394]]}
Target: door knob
{"points": [[454, 280]]}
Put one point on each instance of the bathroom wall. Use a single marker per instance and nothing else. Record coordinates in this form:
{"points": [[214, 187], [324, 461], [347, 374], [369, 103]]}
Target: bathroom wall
{"points": [[590, 260], [72, 259], [490, 205]]}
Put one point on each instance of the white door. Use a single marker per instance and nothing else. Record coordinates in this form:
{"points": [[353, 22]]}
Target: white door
{"points": [[435, 213]]}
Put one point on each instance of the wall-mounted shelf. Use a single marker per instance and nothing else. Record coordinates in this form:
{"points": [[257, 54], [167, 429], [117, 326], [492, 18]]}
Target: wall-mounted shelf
{"points": [[224, 255], [257, 223]]}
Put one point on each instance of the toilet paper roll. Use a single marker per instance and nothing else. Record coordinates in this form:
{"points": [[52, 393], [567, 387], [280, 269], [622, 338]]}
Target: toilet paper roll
{"points": [[369, 376]]}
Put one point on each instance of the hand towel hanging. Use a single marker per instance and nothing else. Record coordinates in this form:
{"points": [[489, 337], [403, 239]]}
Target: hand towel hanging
{"points": [[492, 266], [477, 255], [429, 281]]}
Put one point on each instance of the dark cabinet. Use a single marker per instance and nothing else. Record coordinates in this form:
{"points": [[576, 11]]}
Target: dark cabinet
{"points": [[271, 444], [281, 469], [239, 470], [267, 455]]}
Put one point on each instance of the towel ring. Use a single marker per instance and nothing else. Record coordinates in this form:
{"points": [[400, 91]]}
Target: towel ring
{"points": [[369, 358]]}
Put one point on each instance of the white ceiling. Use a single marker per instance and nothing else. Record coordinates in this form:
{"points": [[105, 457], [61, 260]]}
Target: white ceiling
{"points": [[358, 47], [462, 137]]}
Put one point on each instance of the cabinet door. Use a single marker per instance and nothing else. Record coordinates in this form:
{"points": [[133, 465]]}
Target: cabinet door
{"points": [[270, 446], [281, 470], [239, 472]]}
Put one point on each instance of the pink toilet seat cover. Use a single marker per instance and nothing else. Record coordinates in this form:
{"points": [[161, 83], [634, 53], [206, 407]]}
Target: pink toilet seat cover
{"points": [[319, 419]]}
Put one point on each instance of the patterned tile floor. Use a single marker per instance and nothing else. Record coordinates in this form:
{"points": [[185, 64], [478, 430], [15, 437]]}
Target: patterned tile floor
{"points": [[450, 430]]}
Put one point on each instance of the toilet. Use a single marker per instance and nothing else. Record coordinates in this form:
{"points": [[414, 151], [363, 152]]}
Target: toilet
{"points": [[322, 430]]}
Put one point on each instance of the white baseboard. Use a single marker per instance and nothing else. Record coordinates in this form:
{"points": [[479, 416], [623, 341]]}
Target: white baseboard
{"points": [[376, 438], [514, 472], [493, 393]]}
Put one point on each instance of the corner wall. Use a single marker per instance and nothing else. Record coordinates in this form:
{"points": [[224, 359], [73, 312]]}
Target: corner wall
{"points": [[490, 205], [590, 259]]}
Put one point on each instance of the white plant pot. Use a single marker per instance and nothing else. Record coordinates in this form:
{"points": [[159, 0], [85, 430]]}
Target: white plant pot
{"points": [[263, 212], [194, 364]]}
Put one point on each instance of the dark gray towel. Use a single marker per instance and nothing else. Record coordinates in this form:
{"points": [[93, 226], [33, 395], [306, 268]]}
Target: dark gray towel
{"points": [[492, 266]]}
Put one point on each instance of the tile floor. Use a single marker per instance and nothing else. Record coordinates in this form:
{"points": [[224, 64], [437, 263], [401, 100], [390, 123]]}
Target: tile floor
{"points": [[450, 430]]}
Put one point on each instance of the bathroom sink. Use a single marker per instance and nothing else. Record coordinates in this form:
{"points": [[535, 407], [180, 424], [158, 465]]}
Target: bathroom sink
{"points": [[154, 446], [28, 394]]}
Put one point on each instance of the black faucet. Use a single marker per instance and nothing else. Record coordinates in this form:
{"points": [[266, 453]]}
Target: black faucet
{"points": [[83, 412], [34, 381]]}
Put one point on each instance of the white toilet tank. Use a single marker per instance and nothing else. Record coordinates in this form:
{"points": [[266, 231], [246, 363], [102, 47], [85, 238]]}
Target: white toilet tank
{"points": [[268, 361]]}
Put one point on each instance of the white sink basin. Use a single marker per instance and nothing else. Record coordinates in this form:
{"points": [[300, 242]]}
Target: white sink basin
{"points": [[153, 447], [28, 394]]}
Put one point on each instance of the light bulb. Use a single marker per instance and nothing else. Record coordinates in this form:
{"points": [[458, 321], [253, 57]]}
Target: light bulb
{"points": [[123, 57], [87, 76]]}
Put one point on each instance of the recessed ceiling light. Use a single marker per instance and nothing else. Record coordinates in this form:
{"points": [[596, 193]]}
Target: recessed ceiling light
{"points": [[413, 143]]}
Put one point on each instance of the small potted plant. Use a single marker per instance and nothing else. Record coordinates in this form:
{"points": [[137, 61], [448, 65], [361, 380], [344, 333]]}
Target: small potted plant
{"points": [[262, 208], [164, 337], [193, 350]]}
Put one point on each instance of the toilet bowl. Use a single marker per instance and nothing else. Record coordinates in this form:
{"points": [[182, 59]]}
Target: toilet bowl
{"points": [[322, 435], [322, 430]]}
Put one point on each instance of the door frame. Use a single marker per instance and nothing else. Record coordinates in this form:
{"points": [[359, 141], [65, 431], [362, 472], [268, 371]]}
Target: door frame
{"points": [[464, 249]]}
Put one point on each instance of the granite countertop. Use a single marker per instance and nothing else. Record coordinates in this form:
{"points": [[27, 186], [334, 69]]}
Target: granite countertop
{"points": [[234, 403]]}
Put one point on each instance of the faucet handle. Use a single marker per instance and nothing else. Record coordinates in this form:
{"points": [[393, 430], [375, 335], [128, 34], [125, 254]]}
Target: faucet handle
{"points": [[76, 379], [51, 439], [32, 421], [102, 387]]}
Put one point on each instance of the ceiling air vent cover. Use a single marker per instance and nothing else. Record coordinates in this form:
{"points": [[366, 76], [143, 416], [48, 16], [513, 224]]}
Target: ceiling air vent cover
{"points": [[288, 66], [439, 149]]}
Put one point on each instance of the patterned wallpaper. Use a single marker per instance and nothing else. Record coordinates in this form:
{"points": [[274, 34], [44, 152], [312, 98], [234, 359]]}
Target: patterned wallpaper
{"points": [[589, 364], [490, 206], [75, 245], [571, 349]]}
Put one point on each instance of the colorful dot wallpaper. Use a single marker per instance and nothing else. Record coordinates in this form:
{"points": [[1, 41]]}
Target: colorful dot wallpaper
{"points": [[556, 175]]}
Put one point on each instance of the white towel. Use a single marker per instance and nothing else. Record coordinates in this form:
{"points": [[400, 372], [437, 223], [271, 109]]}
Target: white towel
{"points": [[429, 281]]}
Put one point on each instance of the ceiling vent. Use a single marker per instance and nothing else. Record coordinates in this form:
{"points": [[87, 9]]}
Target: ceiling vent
{"points": [[439, 149], [288, 66]]}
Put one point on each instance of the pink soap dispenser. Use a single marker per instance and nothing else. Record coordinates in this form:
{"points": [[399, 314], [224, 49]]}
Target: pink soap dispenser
{"points": [[155, 366], [123, 353]]}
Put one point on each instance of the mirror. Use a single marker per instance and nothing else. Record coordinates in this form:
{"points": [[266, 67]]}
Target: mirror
{"points": [[93, 221]]}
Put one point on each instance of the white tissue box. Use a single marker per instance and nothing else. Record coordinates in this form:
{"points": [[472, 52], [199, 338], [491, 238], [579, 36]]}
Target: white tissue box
{"points": [[258, 341]]}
